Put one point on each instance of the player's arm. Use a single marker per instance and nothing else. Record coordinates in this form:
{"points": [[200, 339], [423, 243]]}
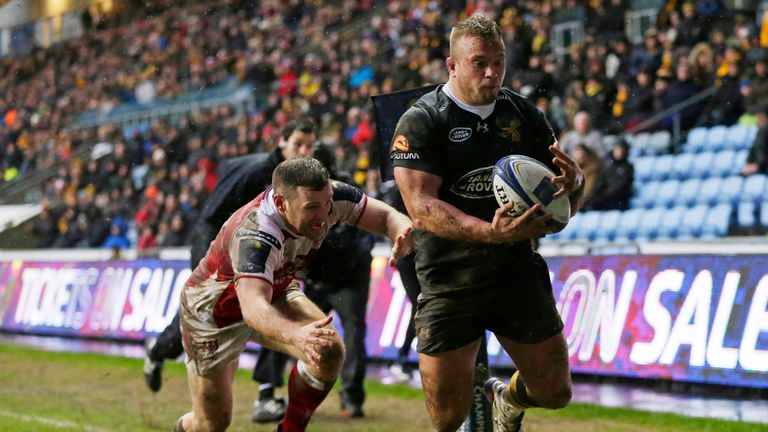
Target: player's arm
{"points": [[382, 219], [254, 295], [420, 194]]}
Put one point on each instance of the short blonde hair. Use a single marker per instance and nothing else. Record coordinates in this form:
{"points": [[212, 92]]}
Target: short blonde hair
{"points": [[475, 26]]}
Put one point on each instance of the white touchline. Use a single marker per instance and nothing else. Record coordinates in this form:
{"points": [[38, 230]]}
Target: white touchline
{"points": [[52, 422]]}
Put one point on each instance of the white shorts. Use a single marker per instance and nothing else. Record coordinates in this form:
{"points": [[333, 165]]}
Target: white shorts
{"points": [[209, 347]]}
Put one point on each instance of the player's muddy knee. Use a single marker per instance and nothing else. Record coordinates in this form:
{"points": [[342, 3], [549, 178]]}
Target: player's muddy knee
{"points": [[219, 424], [555, 397], [333, 356]]}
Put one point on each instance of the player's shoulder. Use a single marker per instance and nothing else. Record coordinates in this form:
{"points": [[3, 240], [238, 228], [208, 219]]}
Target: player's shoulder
{"points": [[509, 96], [346, 192], [514, 100], [428, 108]]}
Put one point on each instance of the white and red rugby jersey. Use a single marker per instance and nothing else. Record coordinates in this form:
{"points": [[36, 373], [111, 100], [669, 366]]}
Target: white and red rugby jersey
{"points": [[255, 242]]}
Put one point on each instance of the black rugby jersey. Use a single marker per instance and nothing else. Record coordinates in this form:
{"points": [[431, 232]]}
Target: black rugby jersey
{"points": [[437, 136]]}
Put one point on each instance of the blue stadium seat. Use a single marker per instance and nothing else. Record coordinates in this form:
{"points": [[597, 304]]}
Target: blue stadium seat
{"points": [[648, 227], [590, 223], [570, 230], [644, 168], [626, 230], [608, 224], [663, 167], [702, 165], [716, 138], [764, 214], [746, 215], [646, 196], [751, 138], [660, 142], [754, 188], [738, 162], [717, 221], [670, 223], [722, 164], [697, 140], [681, 168], [730, 190], [709, 191], [692, 222], [688, 192], [641, 142], [667, 193], [737, 136]]}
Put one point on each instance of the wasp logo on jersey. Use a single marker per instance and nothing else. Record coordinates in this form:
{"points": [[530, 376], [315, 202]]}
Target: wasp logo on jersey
{"points": [[512, 131], [400, 144], [476, 184]]}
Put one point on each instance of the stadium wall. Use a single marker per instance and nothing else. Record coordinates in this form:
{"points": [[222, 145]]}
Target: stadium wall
{"points": [[682, 317]]}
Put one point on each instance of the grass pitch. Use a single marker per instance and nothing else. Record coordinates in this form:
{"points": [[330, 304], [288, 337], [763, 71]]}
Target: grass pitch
{"points": [[43, 391]]}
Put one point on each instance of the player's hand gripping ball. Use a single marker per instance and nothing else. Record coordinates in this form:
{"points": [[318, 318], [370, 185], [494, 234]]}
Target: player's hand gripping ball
{"points": [[525, 181]]}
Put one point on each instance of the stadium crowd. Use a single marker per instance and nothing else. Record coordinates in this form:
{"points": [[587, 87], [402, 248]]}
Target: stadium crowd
{"points": [[311, 58]]}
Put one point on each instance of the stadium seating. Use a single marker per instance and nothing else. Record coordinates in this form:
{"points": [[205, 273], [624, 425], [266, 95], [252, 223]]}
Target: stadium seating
{"points": [[764, 214], [660, 142], [709, 191], [746, 215], [648, 227], [644, 168], [688, 191], [670, 223], [692, 223], [646, 196], [702, 164], [697, 140], [716, 138], [730, 190], [717, 221], [681, 168], [739, 137], [666, 196], [662, 167], [626, 230], [754, 188], [722, 163], [608, 225], [590, 224]]}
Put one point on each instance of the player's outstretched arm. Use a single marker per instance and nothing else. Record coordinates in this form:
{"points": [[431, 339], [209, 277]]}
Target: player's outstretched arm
{"points": [[254, 296], [383, 219], [420, 194]]}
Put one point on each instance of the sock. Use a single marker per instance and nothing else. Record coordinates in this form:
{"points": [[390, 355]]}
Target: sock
{"points": [[517, 394], [266, 392], [305, 393]]}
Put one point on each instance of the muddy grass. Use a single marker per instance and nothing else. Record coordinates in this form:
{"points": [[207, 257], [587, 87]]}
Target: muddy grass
{"points": [[43, 391]]}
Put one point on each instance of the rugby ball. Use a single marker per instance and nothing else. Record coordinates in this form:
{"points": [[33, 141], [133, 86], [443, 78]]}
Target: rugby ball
{"points": [[525, 181]]}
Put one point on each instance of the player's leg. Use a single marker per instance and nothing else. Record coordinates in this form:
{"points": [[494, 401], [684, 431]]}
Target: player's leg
{"points": [[407, 269], [543, 378], [350, 303], [211, 400], [166, 346], [269, 371], [529, 328], [308, 385], [447, 379]]}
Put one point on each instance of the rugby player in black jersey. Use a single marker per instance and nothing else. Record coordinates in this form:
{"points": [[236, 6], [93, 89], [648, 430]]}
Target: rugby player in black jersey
{"points": [[475, 262]]}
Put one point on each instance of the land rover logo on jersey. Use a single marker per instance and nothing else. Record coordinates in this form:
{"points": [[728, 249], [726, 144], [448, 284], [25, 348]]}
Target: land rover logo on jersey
{"points": [[459, 134], [475, 184]]}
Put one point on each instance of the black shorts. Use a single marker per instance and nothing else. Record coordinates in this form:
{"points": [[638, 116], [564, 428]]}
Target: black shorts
{"points": [[523, 309]]}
